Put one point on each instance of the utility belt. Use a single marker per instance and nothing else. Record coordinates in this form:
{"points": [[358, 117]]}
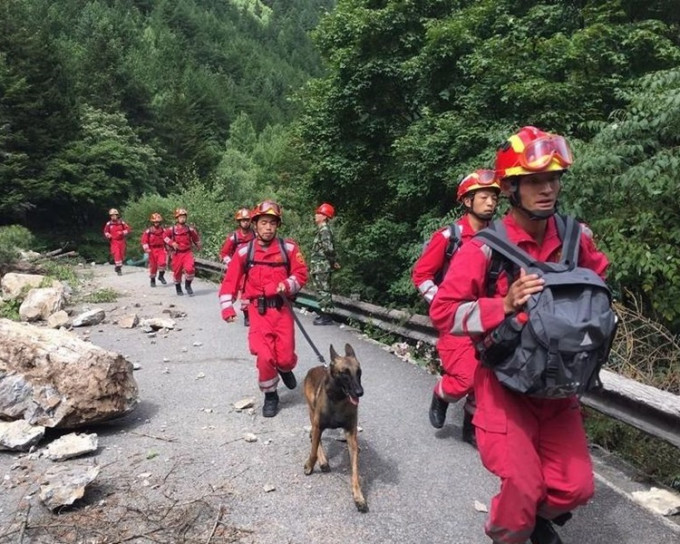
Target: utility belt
{"points": [[263, 303], [181, 250]]}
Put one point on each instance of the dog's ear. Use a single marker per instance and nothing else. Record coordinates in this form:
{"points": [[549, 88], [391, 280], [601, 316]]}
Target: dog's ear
{"points": [[349, 351], [334, 355]]}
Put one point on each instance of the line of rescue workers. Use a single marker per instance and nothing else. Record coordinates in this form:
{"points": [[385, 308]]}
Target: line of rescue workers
{"points": [[493, 289]]}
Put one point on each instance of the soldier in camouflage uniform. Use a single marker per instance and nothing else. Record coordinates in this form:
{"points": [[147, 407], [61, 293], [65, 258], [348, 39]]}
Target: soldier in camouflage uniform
{"points": [[323, 262]]}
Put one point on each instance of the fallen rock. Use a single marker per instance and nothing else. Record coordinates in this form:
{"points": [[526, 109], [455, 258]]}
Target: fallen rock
{"points": [[658, 500], [58, 319], [243, 404], [19, 435], [41, 303], [13, 284], [71, 445], [156, 324], [89, 318], [128, 321], [52, 378], [62, 485]]}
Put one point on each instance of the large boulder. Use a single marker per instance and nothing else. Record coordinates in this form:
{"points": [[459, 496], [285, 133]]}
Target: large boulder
{"points": [[52, 378], [41, 303], [13, 284]]}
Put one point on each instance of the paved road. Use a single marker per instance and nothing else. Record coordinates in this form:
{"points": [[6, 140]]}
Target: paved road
{"points": [[186, 439]]}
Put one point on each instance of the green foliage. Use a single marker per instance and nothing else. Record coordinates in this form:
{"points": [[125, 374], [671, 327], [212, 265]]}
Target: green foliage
{"points": [[657, 460], [418, 94], [12, 239], [59, 271], [625, 183], [100, 296], [9, 309]]}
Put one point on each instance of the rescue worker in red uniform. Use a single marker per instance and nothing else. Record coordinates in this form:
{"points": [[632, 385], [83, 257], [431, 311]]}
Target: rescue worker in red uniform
{"points": [[181, 238], [242, 235], [478, 194], [269, 269], [536, 446], [116, 231], [153, 244]]}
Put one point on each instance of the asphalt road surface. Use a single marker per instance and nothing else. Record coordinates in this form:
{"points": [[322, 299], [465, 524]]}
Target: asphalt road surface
{"points": [[185, 444]]}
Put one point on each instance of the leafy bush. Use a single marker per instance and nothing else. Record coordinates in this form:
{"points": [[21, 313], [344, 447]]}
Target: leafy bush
{"points": [[12, 239], [100, 296]]}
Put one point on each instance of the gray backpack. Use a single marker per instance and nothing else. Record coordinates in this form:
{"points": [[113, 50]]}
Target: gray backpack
{"points": [[570, 328]]}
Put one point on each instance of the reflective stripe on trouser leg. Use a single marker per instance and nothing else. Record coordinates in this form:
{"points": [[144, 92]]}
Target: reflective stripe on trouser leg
{"points": [[459, 364]]}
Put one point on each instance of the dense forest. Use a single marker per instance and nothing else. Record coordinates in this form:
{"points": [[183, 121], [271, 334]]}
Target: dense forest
{"points": [[378, 106]]}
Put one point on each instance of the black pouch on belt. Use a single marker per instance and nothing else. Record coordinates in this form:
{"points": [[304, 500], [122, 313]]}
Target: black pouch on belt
{"points": [[261, 305]]}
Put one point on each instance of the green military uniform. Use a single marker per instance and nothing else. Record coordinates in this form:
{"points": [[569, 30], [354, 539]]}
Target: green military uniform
{"points": [[321, 264]]}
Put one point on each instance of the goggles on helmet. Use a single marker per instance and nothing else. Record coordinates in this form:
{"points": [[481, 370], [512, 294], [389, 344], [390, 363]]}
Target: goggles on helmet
{"points": [[268, 207], [538, 154]]}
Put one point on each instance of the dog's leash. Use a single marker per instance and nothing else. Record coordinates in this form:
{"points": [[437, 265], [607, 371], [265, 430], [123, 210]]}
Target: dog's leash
{"points": [[302, 329]]}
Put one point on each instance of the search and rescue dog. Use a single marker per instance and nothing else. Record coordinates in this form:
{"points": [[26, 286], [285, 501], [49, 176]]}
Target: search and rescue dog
{"points": [[332, 395]]}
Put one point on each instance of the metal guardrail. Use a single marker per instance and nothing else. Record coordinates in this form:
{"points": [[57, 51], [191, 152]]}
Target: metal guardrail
{"points": [[646, 408]]}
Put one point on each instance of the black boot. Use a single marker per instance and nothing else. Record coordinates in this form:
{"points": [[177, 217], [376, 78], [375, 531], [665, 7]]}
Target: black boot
{"points": [[152, 282], [161, 277], [323, 319], [469, 429], [246, 319], [544, 533], [271, 404], [178, 288], [288, 379], [438, 409], [119, 270], [187, 286]]}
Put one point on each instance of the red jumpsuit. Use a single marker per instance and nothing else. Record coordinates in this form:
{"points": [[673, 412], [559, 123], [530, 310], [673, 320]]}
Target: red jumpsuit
{"points": [[457, 353], [181, 238], [537, 447], [116, 231], [153, 243], [235, 240], [271, 336], [232, 242]]}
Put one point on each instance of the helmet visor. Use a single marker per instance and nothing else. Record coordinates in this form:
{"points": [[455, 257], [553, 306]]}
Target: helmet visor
{"points": [[538, 155], [485, 177], [269, 208]]}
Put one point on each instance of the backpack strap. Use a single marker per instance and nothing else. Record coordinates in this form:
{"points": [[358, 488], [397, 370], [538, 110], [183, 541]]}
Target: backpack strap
{"points": [[250, 256], [454, 240]]}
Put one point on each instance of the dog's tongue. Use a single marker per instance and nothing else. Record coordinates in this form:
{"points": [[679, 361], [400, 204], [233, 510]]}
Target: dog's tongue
{"points": [[353, 400]]}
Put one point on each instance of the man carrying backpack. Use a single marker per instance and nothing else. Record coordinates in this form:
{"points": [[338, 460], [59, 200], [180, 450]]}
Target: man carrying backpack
{"points": [[323, 262], [242, 235], [269, 269], [182, 238], [478, 194], [536, 445]]}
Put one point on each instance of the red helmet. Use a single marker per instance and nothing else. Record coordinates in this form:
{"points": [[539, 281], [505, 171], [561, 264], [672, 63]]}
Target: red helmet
{"points": [[243, 213], [180, 211], [113, 211], [267, 207], [326, 209], [156, 218], [479, 179], [532, 151]]}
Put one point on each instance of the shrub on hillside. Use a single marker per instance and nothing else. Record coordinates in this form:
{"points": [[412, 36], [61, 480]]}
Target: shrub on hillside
{"points": [[12, 239]]}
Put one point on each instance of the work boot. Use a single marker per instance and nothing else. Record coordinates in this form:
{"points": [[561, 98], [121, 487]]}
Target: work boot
{"points": [[246, 319], [152, 282], [438, 409], [271, 404], [544, 533], [119, 270], [323, 319], [187, 286], [469, 429], [161, 277], [178, 288], [288, 379]]}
